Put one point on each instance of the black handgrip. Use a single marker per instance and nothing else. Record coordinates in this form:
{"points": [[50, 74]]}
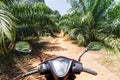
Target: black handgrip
{"points": [[89, 71], [31, 72]]}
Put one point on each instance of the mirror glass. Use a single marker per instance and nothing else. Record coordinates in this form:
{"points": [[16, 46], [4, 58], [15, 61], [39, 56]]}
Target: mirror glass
{"points": [[23, 47], [95, 46]]}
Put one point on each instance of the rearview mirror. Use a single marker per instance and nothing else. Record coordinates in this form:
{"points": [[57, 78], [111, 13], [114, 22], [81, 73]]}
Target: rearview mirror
{"points": [[95, 46], [23, 47], [92, 46]]}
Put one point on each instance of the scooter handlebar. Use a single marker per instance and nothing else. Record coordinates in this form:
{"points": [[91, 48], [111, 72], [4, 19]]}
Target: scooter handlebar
{"points": [[31, 72], [89, 71]]}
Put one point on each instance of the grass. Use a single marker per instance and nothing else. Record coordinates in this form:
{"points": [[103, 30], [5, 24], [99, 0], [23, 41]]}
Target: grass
{"points": [[112, 62]]}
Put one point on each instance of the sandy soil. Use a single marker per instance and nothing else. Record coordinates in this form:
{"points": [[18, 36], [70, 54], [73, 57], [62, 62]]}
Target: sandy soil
{"points": [[90, 60]]}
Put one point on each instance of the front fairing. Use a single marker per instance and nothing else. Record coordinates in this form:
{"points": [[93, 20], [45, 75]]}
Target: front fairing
{"points": [[60, 67]]}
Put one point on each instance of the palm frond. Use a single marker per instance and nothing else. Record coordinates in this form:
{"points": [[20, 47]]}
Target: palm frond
{"points": [[34, 14], [112, 28], [98, 20], [87, 19], [73, 33], [110, 41], [113, 12], [81, 41], [7, 31]]}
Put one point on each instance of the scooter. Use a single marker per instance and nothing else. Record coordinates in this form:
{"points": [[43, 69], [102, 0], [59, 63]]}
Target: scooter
{"points": [[60, 68]]}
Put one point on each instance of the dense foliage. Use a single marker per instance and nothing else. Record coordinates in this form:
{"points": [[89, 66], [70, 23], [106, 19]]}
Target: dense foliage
{"points": [[35, 15], [88, 20], [32, 19], [7, 30], [93, 20], [96, 20]]}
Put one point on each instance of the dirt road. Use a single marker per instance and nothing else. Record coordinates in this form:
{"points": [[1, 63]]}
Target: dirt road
{"points": [[89, 60]]}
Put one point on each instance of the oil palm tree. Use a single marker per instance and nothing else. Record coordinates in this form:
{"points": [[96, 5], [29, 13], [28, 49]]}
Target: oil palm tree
{"points": [[100, 18], [7, 30], [35, 15]]}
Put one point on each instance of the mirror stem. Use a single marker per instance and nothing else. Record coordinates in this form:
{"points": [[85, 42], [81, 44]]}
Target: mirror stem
{"points": [[82, 54]]}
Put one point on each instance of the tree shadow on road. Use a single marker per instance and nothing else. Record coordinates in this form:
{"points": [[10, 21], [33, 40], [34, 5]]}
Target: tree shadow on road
{"points": [[13, 65]]}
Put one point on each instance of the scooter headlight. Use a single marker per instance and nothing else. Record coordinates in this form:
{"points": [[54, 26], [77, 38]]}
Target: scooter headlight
{"points": [[60, 66]]}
